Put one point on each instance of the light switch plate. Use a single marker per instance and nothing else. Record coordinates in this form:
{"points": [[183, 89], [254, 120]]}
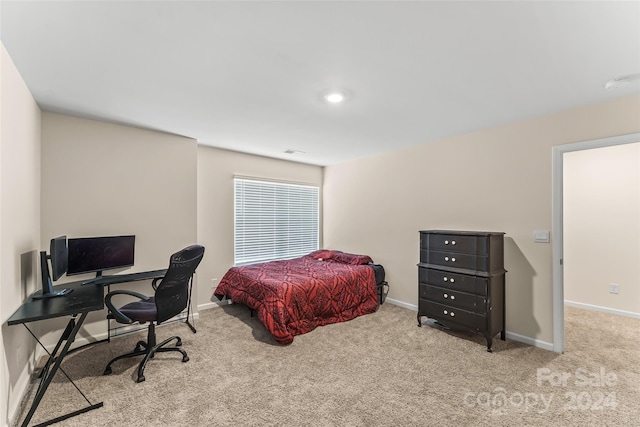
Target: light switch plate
{"points": [[541, 236]]}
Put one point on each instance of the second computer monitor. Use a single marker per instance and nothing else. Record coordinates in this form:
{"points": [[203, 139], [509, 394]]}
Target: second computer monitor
{"points": [[95, 254], [59, 256]]}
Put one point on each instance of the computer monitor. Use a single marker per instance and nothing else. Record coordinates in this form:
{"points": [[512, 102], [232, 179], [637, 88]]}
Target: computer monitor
{"points": [[96, 254], [58, 254], [58, 257]]}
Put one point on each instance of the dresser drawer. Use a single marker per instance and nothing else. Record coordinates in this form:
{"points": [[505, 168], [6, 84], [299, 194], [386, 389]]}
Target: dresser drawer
{"points": [[453, 298], [447, 313], [455, 281], [454, 243], [455, 260]]}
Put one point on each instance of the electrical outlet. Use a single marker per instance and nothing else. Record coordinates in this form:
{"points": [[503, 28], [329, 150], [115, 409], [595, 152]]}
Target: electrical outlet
{"points": [[614, 288]]}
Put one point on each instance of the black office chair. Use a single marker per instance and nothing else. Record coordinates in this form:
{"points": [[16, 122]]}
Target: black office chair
{"points": [[171, 298]]}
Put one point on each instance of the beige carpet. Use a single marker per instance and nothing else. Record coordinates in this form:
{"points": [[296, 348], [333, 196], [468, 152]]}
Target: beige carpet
{"points": [[376, 370]]}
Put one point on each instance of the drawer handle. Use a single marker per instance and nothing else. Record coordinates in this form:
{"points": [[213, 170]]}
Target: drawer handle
{"points": [[453, 242], [446, 312], [445, 278], [453, 297], [452, 314], [446, 242], [446, 295], [453, 260], [451, 280], [446, 258]]}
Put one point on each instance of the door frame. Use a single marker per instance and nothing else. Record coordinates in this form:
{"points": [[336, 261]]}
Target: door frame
{"points": [[557, 223]]}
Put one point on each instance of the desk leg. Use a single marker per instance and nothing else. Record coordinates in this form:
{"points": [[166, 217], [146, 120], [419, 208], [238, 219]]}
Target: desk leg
{"points": [[52, 356], [69, 336], [108, 320], [193, 328]]}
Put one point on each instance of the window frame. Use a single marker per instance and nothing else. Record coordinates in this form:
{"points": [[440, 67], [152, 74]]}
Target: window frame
{"points": [[280, 228]]}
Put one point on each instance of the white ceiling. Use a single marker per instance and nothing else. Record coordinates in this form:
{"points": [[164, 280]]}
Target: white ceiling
{"points": [[248, 76]]}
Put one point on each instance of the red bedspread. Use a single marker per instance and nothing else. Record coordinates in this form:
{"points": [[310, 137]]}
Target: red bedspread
{"points": [[295, 296]]}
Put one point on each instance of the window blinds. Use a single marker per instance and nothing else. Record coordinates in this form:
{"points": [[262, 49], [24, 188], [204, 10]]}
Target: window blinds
{"points": [[274, 220]]}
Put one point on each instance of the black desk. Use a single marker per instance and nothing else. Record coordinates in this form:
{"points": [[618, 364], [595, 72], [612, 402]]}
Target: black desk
{"points": [[125, 278], [83, 299]]}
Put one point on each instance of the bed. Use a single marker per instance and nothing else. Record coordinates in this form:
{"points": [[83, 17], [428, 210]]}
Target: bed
{"points": [[293, 297]]}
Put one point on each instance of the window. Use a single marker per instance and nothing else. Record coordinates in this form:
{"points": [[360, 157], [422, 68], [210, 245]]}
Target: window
{"points": [[274, 220]]}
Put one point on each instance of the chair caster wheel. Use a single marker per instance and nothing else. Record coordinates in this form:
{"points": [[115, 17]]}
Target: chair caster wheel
{"points": [[107, 371], [179, 343], [185, 359]]}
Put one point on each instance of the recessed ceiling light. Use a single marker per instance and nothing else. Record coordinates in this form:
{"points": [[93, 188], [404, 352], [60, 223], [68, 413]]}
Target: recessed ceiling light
{"points": [[335, 96], [622, 81]]}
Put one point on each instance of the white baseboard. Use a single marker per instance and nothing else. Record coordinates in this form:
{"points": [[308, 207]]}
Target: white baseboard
{"points": [[512, 336], [210, 305], [214, 304], [603, 309], [402, 304], [545, 345]]}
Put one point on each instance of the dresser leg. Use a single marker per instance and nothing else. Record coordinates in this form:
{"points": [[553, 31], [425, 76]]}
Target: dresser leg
{"points": [[503, 336], [419, 320], [489, 342]]}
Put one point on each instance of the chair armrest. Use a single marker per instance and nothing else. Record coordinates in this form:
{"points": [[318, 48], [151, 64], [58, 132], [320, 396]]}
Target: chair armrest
{"points": [[119, 316], [153, 283]]}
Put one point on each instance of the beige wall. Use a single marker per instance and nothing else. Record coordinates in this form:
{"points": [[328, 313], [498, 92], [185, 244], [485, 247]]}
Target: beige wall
{"points": [[101, 179], [216, 169], [497, 179], [19, 226], [602, 227]]}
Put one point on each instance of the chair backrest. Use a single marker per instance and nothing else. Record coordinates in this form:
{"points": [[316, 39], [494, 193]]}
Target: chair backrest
{"points": [[172, 294]]}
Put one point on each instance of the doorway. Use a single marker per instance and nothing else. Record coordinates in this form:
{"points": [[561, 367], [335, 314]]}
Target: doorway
{"points": [[557, 224]]}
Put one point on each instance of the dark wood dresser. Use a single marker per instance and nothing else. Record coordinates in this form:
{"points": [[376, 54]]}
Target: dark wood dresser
{"points": [[461, 281]]}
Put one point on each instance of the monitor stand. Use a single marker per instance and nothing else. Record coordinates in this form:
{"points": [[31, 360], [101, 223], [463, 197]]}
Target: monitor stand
{"points": [[94, 280], [58, 293], [47, 286]]}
